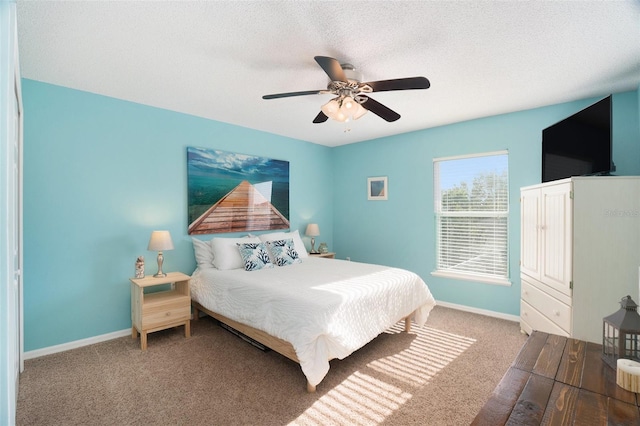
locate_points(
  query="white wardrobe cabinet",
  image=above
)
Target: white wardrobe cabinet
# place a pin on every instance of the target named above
(579, 254)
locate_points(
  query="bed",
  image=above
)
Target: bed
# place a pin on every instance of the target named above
(311, 310)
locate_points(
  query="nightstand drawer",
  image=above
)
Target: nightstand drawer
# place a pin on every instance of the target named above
(160, 309)
(555, 311)
(162, 318)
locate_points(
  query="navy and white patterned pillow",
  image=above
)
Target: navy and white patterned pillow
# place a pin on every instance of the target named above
(284, 252)
(255, 256)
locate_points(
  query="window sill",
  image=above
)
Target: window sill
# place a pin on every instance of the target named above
(475, 278)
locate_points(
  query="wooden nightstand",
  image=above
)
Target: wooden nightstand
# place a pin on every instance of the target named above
(329, 255)
(160, 310)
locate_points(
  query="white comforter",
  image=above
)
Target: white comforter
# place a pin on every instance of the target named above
(325, 308)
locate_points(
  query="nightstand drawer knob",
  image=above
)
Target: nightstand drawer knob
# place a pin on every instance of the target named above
(167, 314)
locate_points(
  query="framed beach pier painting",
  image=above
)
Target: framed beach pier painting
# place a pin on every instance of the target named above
(231, 192)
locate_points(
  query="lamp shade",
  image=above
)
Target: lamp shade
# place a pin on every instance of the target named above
(312, 230)
(359, 111)
(330, 108)
(160, 240)
(348, 105)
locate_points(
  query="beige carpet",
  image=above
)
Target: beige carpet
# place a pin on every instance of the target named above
(441, 374)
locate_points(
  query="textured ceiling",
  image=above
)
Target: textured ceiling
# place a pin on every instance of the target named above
(215, 59)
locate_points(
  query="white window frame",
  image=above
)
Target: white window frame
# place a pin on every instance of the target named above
(475, 276)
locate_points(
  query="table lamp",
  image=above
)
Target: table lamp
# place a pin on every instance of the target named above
(160, 241)
(313, 231)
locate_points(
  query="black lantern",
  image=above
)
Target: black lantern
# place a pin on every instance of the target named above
(621, 334)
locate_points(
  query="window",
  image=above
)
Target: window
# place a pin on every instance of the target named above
(471, 208)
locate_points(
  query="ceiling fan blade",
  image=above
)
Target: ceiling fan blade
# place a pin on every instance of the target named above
(409, 83)
(286, 95)
(320, 118)
(332, 67)
(377, 108)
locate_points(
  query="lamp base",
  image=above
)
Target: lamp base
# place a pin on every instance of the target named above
(160, 274)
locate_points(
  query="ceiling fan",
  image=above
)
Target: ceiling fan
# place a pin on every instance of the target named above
(351, 101)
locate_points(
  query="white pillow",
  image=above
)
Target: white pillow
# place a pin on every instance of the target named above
(226, 254)
(203, 252)
(295, 235)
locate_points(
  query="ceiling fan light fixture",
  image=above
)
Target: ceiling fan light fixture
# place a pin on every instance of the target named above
(352, 109)
(343, 108)
(335, 110)
(347, 105)
(331, 108)
(359, 111)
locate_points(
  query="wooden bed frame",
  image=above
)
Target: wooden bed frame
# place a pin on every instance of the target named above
(281, 346)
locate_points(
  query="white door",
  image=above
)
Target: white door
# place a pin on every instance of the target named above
(557, 236)
(15, 203)
(14, 235)
(530, 233)
(10, 214)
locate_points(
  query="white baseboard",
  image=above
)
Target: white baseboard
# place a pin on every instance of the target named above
(127, 332)
(500, 315)
(76, 344)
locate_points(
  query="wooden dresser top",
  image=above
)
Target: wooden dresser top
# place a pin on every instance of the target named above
(559, 380)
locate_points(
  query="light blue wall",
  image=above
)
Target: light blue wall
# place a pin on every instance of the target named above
(100, 174)
(401, 231)
(626, 130)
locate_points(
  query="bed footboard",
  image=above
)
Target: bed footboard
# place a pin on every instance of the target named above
(283, 347)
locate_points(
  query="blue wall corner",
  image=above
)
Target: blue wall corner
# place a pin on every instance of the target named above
(100, 174)
(401, 231)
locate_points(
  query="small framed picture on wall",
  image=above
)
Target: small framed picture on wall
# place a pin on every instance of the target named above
(377, 188)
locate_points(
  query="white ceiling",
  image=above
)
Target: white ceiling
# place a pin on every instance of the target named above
(215, 59)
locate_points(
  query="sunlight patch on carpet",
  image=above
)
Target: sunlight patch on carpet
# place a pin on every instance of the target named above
(430, 352)
(363, 399)
(359, 400)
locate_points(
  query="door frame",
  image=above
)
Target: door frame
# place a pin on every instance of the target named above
(19, 195)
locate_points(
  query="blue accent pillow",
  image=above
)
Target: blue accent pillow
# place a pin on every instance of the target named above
(284, 252)
(255, 256)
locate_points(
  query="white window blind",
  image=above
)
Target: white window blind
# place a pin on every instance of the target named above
(472, 208)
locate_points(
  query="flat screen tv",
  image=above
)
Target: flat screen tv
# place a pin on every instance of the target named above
(579, 145)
